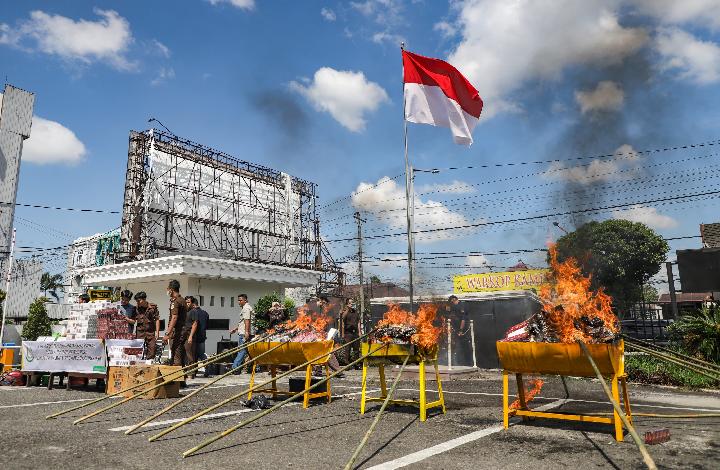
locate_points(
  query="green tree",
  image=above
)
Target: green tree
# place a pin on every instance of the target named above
(699, 333)
(51, 283)
(264, 303)
(620, 256)
(375, 280)
(38, 323)
(2, 301)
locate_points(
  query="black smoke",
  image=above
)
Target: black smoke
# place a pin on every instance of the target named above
(282, 110)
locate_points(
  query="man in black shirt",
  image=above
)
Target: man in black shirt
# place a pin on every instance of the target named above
(194, 330)
(459, 335)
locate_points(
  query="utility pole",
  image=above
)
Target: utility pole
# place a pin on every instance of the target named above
(360, 221)
(7, 287)
(671, 284)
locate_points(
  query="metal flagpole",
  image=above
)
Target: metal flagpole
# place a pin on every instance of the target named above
(408, 199)
(7, 287)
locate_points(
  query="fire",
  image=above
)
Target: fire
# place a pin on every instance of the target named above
(305, 321)
(570, 303)
(425, 333)
(537, 385)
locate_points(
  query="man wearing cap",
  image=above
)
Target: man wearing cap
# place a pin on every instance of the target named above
(146, 319)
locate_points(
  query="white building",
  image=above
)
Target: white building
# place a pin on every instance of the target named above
(215, 282)
(219, 225)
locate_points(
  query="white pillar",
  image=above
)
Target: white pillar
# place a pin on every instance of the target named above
(449, 342)
(472, 341)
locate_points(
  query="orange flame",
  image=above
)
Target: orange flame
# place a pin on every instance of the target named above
(426, 335)
(307, 320)
(569, 289)
(537, 385)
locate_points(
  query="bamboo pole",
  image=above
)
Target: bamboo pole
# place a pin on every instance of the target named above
(690, 359)
(645, 454)
(253, 388)
(204, 386)
(680, 362)
(389, 396)
(229, 431)
(174, 375)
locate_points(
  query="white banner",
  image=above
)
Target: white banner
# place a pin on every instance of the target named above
(86, 356)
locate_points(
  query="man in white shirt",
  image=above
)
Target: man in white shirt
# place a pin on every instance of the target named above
(245, 329)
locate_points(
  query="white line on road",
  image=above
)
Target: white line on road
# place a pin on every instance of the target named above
(23, 405)
(451, 444)
(173, 421)
(220, 415)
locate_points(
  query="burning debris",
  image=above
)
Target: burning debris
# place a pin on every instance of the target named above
(401, 327)
(571, 310)
(306, 328)
(537, 385)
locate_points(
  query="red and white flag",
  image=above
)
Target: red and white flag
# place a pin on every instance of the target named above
(437, 94)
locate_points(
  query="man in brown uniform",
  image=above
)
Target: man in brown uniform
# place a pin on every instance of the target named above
(146, 319)
(173, 333)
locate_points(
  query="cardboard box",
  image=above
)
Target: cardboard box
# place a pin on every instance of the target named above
(120, 378)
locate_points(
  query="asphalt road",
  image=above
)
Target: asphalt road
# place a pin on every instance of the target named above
(325, 435)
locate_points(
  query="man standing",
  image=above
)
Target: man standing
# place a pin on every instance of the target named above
(458, 321)
(173, 333)
(146, 319)
(244, 328)
(350, 326)
(126, 308)
(188, 330)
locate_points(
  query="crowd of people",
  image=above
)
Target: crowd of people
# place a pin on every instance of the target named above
(186, 331)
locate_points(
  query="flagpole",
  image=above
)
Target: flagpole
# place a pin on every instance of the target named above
(409, 199)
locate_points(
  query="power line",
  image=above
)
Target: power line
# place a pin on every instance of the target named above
(559, 160)
(38, 206)
(580, 211)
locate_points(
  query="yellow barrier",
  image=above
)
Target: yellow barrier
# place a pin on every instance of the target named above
(395, 354)
(568, 360)
(291, 354)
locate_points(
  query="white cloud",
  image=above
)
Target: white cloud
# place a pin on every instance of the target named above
(624, 165)
(446, 29)
(51, 142)
(328, 14)
(455, 187)
(242, 4)
(695, 60)
(505, 44)
(366, 8)
(164, 74)
(161, 48)
(84, 41)
(703, 12)
(383, 36)
(477, 261)
(388, 195)
(646, 215)
(607, 96)
(348, 96)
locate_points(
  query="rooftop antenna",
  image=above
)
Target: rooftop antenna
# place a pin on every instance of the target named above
(152, 119)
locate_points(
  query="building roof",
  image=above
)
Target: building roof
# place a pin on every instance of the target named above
(376, 289)
(197, 266)
(685, 297)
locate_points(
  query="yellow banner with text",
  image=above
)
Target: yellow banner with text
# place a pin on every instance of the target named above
(509, 280)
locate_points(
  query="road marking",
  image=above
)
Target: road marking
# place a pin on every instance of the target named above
(451, 444)
(178, 420)
(23, 405)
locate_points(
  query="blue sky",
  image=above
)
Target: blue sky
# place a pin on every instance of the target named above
(314, 89)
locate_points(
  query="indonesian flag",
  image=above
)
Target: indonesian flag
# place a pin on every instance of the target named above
(437, 94)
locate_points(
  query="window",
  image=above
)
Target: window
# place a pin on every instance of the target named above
(218, 324)
(212, 300)
(232, 301)
(222, 301)
(202, 300)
